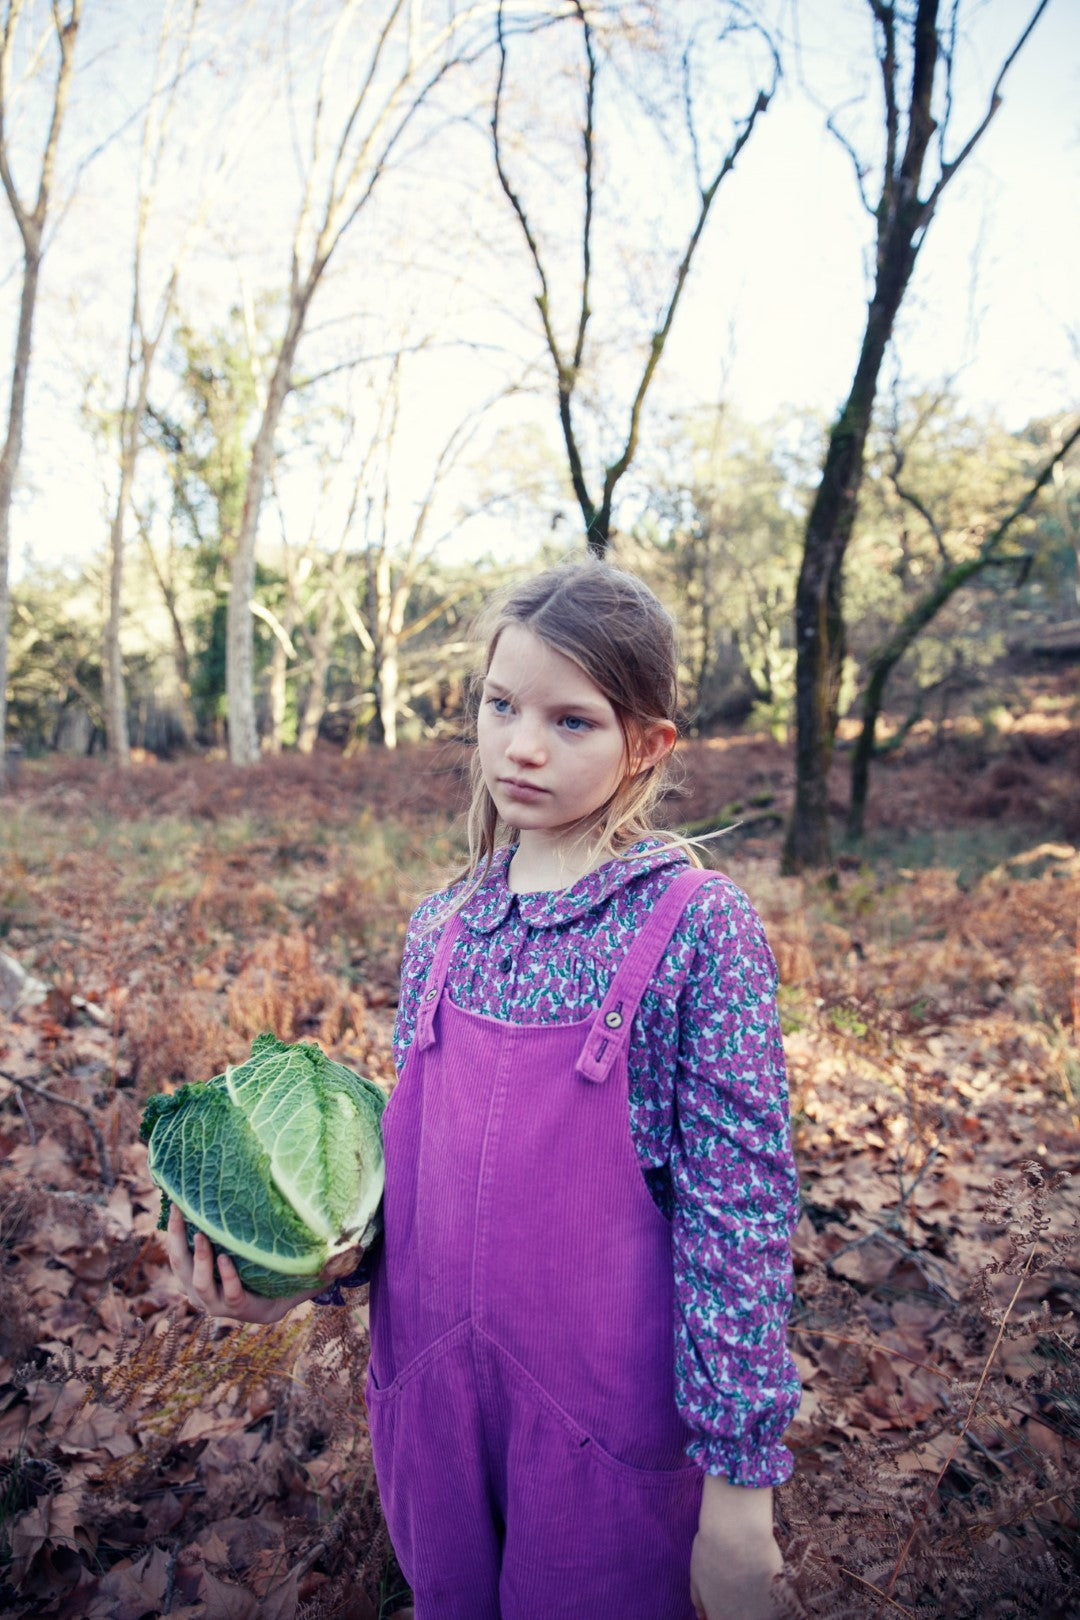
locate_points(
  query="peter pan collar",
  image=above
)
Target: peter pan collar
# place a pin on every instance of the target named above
(489, 907)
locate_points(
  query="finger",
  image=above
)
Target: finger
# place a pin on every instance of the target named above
(176, 1245)
(231, 1286)
(202, 1270)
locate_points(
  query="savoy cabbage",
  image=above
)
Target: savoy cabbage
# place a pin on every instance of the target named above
(279, 1161)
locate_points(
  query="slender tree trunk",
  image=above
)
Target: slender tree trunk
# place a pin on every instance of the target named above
(278, 666)
(240, 643)
(31, 224)
(866, 745)
(321, 644)
(387, 692)
(116, 726)
(9, 466)
(279, 679)
(181, 656)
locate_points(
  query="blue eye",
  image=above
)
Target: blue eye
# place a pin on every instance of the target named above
(500, 705)
(574, 722)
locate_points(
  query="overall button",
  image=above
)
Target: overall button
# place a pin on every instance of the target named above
(613, 1020)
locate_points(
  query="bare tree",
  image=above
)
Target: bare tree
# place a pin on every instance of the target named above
(329, 592)
(911, 43)
(60, 33)
(568, 356)
(393, 572)
(954, 573)
(174, 47)
(164, 573)
(404, 63)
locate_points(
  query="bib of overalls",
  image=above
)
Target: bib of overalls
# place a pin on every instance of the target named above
(530, 1457)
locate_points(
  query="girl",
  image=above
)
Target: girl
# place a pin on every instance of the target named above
(579, 1374)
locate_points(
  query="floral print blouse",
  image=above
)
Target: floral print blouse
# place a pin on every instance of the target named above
(708, 1110)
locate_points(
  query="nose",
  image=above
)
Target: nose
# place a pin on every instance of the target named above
(526, 742)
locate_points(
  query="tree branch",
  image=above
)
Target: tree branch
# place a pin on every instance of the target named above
(913, 500)
(264, 613)
(861, 170)
(949, 169)
(566, 376)
(615, 471)
(80, 1108)
(587, 153)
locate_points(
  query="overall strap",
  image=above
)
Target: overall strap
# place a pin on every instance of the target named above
(424, 1033)
(609, 1033)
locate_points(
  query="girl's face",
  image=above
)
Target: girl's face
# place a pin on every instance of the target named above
(551, 747)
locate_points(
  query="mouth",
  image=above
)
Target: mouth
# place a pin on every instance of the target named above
(514, 788)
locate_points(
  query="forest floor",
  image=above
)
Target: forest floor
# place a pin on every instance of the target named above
(153, 1463)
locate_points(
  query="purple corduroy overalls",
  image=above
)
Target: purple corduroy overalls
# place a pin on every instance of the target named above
(529, 1454)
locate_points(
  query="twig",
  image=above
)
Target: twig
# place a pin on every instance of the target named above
(322, 1546)
(31, 1130)
(874, 1344)
(80, 1108)
(883, 1231)
(883, 1595)
(170, 1576)
(924, 1510)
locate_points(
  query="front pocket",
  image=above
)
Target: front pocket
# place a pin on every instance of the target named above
(383, 1392)
(584, 1444)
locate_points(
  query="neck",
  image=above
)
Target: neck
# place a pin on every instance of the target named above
(541, 864)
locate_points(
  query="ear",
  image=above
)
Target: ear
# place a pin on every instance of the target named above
(654, 744)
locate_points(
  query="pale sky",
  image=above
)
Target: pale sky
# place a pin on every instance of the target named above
(774, 310)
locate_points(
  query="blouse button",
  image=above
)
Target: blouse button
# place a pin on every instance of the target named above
(506, 964)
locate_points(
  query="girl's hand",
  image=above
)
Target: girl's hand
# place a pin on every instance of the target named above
(195, 1272)
(735, 1557)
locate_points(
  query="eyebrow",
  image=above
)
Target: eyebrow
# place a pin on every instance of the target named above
(586, 706)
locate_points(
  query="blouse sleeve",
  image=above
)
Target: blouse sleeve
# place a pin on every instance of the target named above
(735, 1200)
(420, 939)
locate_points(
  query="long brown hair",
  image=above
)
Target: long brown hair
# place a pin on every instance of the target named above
(610, 624)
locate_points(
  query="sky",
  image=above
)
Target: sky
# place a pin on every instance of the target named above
(774, 309)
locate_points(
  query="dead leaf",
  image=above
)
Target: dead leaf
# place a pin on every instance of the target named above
(280, 1601)
(226, 1601)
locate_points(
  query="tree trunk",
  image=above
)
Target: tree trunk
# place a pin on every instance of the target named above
(31, 223)
(9, 467)
(240, 643)
(387, 693)
(116, 726)
(866, 746)
(279, 672)
(181, 656)
(321, 644)
(819, 612)
(902, 218)
(279, 664)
